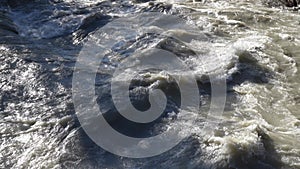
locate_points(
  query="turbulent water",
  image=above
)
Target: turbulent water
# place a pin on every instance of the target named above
(255, 47)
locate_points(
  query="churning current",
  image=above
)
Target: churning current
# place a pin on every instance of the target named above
(253, 46)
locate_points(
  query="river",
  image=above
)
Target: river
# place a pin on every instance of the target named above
(254, 47)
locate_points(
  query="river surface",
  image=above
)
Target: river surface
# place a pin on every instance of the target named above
(256, 48)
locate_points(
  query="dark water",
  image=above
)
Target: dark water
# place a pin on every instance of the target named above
(253, 46)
